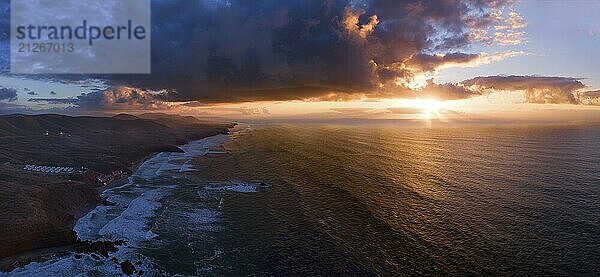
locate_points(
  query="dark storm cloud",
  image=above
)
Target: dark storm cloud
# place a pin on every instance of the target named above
(555, 90)
(8, 94)
(238, 50)
(220, 51)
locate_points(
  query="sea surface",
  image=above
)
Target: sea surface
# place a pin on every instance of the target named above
(357, 200)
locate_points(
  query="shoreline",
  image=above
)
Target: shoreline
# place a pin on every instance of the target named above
(11, 263)
(79, 213)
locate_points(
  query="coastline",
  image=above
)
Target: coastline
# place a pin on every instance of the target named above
(22, 259)
(79, 213)
(10, 263)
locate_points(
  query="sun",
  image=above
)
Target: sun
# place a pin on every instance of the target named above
(430, 108)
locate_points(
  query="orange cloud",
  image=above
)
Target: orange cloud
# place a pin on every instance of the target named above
(351, 23)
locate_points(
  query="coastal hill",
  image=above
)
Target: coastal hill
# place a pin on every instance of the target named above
(38, 209)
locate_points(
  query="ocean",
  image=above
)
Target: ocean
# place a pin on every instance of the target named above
(357, 200)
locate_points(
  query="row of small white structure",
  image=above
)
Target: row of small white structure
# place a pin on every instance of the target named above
(50, 169)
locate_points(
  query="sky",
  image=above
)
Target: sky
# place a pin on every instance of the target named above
(341, 58)
(563, 38)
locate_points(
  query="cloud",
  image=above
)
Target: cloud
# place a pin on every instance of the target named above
(447, 91)
(254, 111)
(246, 110)
(431, 63)
(11, 108)
(405, 110)
(194, 104)
(514, 22)
(351, 23)
(112, 98)
(536, 89)
(593, 32)
(123, 98)
(510, 38)
(8, 94)
(240, 51)
(58, 101)
(510, 32)
(589, 97)
(236, 51)
(353, 111)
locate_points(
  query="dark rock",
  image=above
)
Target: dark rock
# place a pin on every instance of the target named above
(140, 273)
(105, 202)
(78, 256)
(127, 267)
(100, 247)
(115, 260)
(71, 236)
(138, 263)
